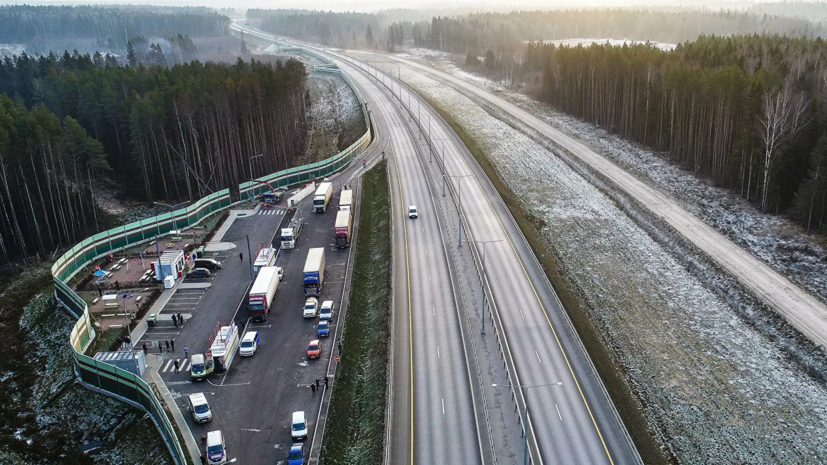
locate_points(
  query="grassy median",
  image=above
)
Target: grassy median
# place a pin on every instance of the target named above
(356, 421)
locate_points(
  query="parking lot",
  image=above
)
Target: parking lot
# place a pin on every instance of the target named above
(252, 401)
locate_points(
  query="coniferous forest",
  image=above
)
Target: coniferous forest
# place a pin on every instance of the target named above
(76, 123)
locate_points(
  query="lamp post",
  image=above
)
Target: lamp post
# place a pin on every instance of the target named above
(484, 279)
(174, 221)
(251, 174)
(442, 150)
(525, 418)
(459, 194)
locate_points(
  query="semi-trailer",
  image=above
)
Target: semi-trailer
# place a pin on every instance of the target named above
(262, 293)
(266, 257)
(292, 231)
(322, 197)
(342, 229)
(314, 272)
(346, 200)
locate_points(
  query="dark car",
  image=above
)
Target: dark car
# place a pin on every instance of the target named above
(296, 454)
(207, 263)
(323, 330)
(199, 273)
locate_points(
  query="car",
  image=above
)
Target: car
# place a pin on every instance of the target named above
(413, 212)
(199, 273)
(298, 427)
(216, 450)
(314, 349)
(311, 307)
(280, 272)
(199, 408)
(326, 311)
(296, 454)
(249, 344)
(323, 330)
(207, 263)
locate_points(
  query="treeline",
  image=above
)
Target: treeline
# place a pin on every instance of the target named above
(157, 133)
(326, 27)
(747, 112)
(37, 26)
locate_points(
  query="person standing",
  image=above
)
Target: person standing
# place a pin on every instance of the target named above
(175, 363)
(325, 381)
(167, 344)
(180, 320)
(100, 292)
(117, 286)
(186, 352)
(317, 383)
(175, 320)
(172, 343)
(160, 348)
(313, 388)
(241, 256)
(144, 346)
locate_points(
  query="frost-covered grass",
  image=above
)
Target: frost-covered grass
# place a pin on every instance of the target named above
(335, 115)
(356, 423)
(715, 387)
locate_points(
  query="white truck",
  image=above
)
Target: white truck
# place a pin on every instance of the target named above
(266, 257)
(223, 347)
(322, 197)
(292, 231)
(262, 293)
(346, 200)
(314, 272)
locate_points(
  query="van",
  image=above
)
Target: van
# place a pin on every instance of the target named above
(299, 426)
(198, 367)
(249, 344)
(207, 263)
(199, 408)
(216, 450)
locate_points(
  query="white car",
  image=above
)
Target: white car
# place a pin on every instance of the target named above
(249, 344)
(280, 272)
(311, 307)
(326, 312)
(413, 212)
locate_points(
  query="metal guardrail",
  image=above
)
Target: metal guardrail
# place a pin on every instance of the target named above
(121, 384)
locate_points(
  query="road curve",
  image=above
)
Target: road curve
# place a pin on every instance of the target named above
(801, 309)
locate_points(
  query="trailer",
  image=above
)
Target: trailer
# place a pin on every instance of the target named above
(262, 293)
(322, 197)
(223, 347)
(314, 272)
(292, 231)
(346, 200)
(342, 229)
(266, 257)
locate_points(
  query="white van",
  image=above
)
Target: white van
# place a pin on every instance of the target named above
(216, 450)
(299, 426)
(249, 344)
(199, 408)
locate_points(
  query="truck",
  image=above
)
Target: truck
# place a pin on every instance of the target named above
(292, 231)
(342, 229)
(266, 257)
(346, 200)
(314, 272)
(223, 344)
(262, 293)
(322, 197)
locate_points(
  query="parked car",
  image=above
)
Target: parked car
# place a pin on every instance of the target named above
(314, 350)
(249, 344)
(280, 272)
(208, 263)
(413, 212)
(296, 454)
(323, 330)
(200, 410)
(311, 307)
(298, 427)
(326, 311)
(199, 273)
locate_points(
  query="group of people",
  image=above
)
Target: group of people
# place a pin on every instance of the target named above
(169, 344)
(314, 387)
(178, 320)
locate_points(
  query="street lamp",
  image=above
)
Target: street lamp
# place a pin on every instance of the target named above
(459, 209)
(484, 279)
(251, 174)
(525, 419)
(174, 221)
(442, 150)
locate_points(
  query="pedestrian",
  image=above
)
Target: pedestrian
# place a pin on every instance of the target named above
(241, 256)
(144, 348)
(175, 320)
(203, 460)
(339, 344)
(100, 292)
(186, 352)
(118, 286)
(176, 365)
(180, 320)
(167, 344)
(317, 383)
(160, 348)
(325, 381)
(313, 388)
(172, 343)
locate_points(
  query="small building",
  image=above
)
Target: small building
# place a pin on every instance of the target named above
(131, 361)
(170, 263)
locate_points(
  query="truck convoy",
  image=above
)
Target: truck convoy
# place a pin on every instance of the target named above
(292, 231)
(266, 257)
(322, 197)
(346, 200)
(262, 292)
(314, 272)
(342, 229)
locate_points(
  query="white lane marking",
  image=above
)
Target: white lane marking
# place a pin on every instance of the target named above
(426, 252)
(538, 357)
(184, 365)
(521, 313)
(509, 281)
(437, 352)
(558, 412)
(433, 309)
(429, 277)
(167, 366)
(251, 429)
(443, 406)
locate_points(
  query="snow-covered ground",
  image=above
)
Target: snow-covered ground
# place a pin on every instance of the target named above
(335, 116)
(613, 42)
(714, 386)
(11, 49)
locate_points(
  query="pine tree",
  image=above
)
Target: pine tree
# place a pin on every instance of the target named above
(243, 44)
(369, 36)
(131, 59)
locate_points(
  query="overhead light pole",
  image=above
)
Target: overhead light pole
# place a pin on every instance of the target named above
(459, 209)
(252, 180)
(174, 221)
(525, 418)
(484, 279)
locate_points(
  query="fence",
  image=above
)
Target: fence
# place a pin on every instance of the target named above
(121, 384)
